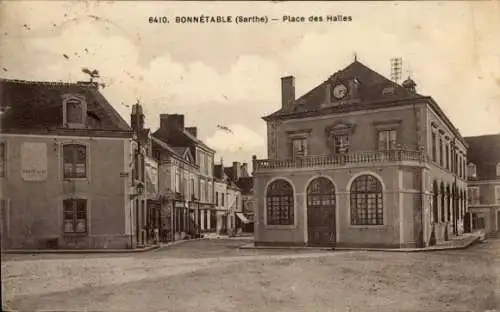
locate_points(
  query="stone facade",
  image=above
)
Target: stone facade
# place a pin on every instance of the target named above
(484, 182)
(358, 124)
(66, 168)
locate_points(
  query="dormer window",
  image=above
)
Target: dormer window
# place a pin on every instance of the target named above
(74, 110)
(471, 170)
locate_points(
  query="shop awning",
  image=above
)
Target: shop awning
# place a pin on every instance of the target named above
(242, 217)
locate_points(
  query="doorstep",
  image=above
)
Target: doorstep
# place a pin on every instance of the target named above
(80, 251)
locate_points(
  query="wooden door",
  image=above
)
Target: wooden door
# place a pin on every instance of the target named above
(321, 213)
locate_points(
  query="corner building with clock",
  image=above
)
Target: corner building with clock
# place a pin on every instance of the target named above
(360, 161)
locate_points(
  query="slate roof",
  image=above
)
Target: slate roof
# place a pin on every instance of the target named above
(370, 96)
(484, 152)
(177, 152)
(177, 137)
(245, 184)
(36, 107)
(218, 173)
(371, 84)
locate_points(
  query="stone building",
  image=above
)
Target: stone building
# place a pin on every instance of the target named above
(484, 182)
(186, 182)
(359, 160)
(66, 161)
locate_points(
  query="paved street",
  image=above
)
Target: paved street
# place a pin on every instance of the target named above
(213, 275)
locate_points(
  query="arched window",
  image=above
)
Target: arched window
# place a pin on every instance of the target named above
(435, 191)
(280, 203)
(471, 170)
(367, 207)
(75, 161)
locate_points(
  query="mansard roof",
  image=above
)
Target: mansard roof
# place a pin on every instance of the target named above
(37, 107)
(371, 94)
(371, 86)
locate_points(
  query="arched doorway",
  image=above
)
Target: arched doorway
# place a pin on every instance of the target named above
(321, 213)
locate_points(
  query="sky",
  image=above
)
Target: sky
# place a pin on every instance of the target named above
(229, 74)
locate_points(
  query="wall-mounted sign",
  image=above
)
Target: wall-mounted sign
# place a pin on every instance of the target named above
(34, 161)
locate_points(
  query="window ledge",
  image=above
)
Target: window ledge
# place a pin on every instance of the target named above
(368, 227)
(75, 179)
(67, 234)
(280, 227)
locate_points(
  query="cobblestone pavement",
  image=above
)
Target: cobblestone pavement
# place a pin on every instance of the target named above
(214, 275)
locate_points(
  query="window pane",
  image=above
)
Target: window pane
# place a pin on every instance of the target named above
(366, 201)
(68, 226)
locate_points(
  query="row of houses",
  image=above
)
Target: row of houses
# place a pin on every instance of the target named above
(363, 161)
(75, 174)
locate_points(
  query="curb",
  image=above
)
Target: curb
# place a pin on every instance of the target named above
(80, 251)
(161, 246)
(464, 246)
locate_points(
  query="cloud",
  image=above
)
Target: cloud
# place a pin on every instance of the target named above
(240, 139)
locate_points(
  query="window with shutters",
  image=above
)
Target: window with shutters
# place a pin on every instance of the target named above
(433, 142)
(75, 161)
(473, 195)
(75, 215)
(497, 194)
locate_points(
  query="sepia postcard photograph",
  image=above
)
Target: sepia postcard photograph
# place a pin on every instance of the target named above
(226, 156)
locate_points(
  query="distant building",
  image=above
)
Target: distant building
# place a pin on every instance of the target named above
(186, 181)
(66, 158)
(484, 182)
(359, 160)
(245, 184)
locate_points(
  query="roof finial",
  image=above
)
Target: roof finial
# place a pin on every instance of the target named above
(355, 57)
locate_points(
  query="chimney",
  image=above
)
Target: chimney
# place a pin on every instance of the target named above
(287, 93)
(193, 131)
(169, 121)
(244, 170)
(236, 171)
(221, 168)
(328, 94)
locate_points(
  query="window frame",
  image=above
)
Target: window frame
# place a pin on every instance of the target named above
(388, 142)
(80, 98)
(287, 196)
(434, 146)
(3, 159)
(472, 170)
(355, 199)
(497, 170)
(470, 198)
(497, 195)
(74, 206)
(74, 164)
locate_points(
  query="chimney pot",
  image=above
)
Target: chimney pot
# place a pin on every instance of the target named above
(169, 121)
(236, 171)
(193, 131)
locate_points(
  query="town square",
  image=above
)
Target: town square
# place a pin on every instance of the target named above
(240, 156)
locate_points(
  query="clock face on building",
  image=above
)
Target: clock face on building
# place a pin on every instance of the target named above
(339, 91)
